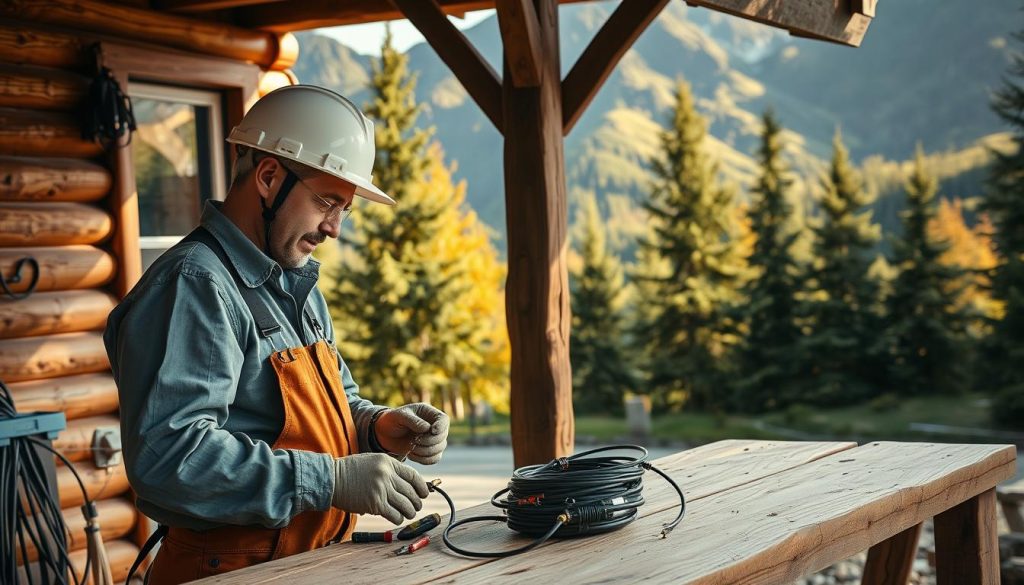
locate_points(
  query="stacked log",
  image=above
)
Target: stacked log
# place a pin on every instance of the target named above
(55, 190)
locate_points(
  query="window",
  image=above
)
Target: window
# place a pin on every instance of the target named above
(178, 157)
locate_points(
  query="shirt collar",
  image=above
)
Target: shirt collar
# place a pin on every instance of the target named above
(251, 264)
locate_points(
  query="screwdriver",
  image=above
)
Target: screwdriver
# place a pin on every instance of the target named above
(419, 527)
(388, 536)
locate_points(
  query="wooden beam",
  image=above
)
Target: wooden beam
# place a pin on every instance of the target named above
(201, 36)
(520, 35)
(290, 16)
(865, 7)
(602, 54)
(537, 288)
(204, 5)
(826, 20)
(475, 74)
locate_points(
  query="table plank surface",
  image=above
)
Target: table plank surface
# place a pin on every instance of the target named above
(757, 512)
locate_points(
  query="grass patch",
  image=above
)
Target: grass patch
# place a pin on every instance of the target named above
(887, 418)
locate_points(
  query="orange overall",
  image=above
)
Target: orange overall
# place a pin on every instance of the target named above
(317, 418)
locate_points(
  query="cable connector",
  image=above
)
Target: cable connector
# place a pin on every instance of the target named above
(433, 484)
(666, 531)
(533, 500)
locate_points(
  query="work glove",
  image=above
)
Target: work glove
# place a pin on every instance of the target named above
(373, 483)
(418, 431)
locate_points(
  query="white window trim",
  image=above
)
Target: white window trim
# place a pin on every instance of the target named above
(193, 97)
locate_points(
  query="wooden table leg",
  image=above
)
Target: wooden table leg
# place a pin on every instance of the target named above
(890, 561)
(966, 543)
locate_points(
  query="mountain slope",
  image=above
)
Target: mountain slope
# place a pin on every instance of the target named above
(923, 74)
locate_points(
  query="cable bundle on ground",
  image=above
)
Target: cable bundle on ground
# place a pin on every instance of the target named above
(30, 515)
(572, 496)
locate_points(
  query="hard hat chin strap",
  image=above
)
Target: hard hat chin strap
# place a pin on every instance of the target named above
(269, 213)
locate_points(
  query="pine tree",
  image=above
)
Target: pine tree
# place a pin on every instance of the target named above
(691, 218)
(1004, 202)
(767, 355)
(841, 365)
(392, 297)
(601, 371)
(924, 333)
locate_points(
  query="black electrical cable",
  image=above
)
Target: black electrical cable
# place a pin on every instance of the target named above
(29, 515)
(572, 496)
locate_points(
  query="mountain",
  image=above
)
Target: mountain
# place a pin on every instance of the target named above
(922, 75)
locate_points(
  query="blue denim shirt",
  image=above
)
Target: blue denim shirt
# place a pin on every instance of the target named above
(200, 404)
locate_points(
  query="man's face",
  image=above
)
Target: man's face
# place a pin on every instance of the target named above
(310, 214)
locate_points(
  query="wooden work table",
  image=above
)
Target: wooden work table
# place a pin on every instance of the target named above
(757, 512)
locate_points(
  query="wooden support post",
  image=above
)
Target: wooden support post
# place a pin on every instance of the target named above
(890, 561)
(520, 35)
(537, 291)
(966, 543)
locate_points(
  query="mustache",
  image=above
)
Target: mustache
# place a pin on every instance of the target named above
(315, 237)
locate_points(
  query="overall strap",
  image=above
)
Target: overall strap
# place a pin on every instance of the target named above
(265, 322)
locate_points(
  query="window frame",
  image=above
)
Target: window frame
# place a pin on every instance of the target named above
(236, 81)
(206, 98)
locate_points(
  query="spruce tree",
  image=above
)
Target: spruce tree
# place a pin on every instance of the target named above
(691, 218)
(924, 333)
(1004, 203)
(601, 371)
(389, 303)
(841, 363)
(768, 354)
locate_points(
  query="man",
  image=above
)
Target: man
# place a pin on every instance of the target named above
(243, 431)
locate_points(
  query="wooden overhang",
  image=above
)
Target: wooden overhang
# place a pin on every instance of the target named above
(529, 103)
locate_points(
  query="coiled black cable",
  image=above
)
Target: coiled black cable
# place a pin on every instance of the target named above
(28, 512)
(572, 496)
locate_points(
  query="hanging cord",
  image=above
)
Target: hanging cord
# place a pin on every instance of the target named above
(16, 278)
(107, 115)
(572, 496)
(29, 514)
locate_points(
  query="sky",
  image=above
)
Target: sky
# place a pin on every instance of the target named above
(367, 38)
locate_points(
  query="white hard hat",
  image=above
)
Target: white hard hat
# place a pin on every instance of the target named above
(318, 128)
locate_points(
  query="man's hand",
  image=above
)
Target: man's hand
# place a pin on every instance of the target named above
(419, 430)
(373, 483)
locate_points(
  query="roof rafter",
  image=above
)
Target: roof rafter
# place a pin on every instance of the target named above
(203, 5)
(289, 16)
(603, 53)
(839, 21)
(472, 70)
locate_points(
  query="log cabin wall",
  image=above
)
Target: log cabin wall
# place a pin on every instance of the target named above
(73, 207)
